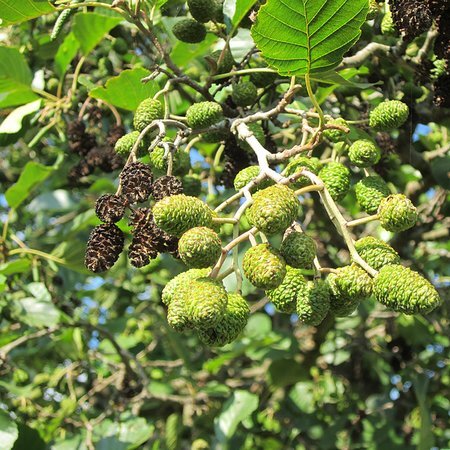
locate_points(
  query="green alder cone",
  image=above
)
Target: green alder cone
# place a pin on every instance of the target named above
(159, 163)
(204, 115)
(369, 193)
(207, 302)
(178, 213)
(244, 93)
(248, 174)
(263, 79)
(264, 267)
(348, 286)
(147, 111)
(387, 24)
(259, 134)
(397, 213)
(177, 316)
(389, 115)
(202, 10)
(336, 178)
(200, 247)
(230, 326)
(179, 281)
(364, 153)
(302, 162)
(313, 302)
(404, 290)
(376, 253)
(189, 31)
(218, 135)
(273, 209)
(284, 297)
(335, 135)
(227, 63)
(125, 144)
(299, 250)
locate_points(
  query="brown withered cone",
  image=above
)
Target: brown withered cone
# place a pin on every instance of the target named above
(136, 179)
(143, 246)
(104, 247)
(166, 186)
(110, 208)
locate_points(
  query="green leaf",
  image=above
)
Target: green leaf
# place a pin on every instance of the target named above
(13, 122)
(90, 28)
(16, 266)
(237, 9)
(38, 313)
(8, 431)
(33, 174)
(298, 37)
(126, 91)
(29, 438)
(13, 11)
(15, 79)
(240, 406)
(66, 52)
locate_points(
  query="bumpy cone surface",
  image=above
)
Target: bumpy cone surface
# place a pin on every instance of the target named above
(202, 10)
(166, 186)
(298, 249)
(263, 79)
(244, 93)
(136, 180)
(335, 135)
(227, 62)
(159, 161)
(369, 193)
(200, 247)
(302, 162)
(110, 208)
(364, 153)
(404, 290)
(273, 209)
(336, 178)
(147, 111)
(103, 248)
(264, 267)
(230, 326)
(313, 302)
(207, 302)
(284, 297)
(397, 213)
(189, 31)
(178, 213)
(376, 253)
(204, 115)
(411, 17)
(180, 280)
(248, 174)
(125, 144)
(388, 115)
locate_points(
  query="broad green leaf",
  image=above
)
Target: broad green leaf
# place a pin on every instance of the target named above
(126, 91)
(237, 9)
(39, 292)
(90, 28)
(298, 37)
(29, 438)
(16, 266)
(38, 313)
(13, 11)
(240, 406)
(182, 54)
(2, 283)
(8, 431)
(66, 52)
(33, 174)
(15, 79)
(13, 122)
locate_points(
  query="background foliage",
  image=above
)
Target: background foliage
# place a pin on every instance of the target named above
(90, 362)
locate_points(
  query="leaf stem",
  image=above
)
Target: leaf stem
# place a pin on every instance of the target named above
(314, 101)
(33, 251)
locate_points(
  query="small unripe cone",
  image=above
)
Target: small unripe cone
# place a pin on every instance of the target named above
(178, 213)
(227, 62)
(259, 134)
(202, 10)
(180, 280)
(376, 253)
(302, 162)
(248, 174)
(177, 316)
(159, 162)
(336, 178)
(110, 208)
(284, 297)
(207, 302)
(387, 23)
(397, 213)
(335, 135)
(264, 267)
(244, 93)
(189, 31)
(263, 79)
(388, 115)
(200, 247)
(364, 153)
(230, 326)
(299, 250)
(125, 144)
(273, 209)
(404, 290)
(204, 115)
(369, 193)
(147, 111)
(313, 302)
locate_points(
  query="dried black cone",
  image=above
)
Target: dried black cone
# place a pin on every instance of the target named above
(136, 180)
(110, 208)
(143, 245)
(442, 92)
(79, 141)
(166, 186)
(104, 247)
(411, 17)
